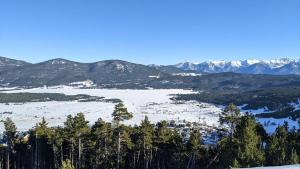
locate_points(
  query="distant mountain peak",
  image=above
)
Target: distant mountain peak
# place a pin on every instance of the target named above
(251, 66)
(59, 61)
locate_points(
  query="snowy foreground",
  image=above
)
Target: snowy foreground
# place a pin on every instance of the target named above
(280, 167)
(155, 103)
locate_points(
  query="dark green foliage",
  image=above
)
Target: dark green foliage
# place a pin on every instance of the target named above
(275, 98)
(43, 97)
(10, 136)
(243, 145)
(230, 117)
(288, 112)
(277, 147)
(67, 165)
(102, 145)
(121, 114)
(250, 143)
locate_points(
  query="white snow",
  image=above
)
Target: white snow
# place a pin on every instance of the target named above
(296, 105)
(120, 67)
(187, 74)
(277, 63)
(270, 124)
(251, 61)
(58, 61)
(154, 76)
(86, 83)
(218, 63)
(236, 63)
(8, 88)
(155, 103)
(297, 166)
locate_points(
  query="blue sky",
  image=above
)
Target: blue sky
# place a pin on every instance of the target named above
(149, 31)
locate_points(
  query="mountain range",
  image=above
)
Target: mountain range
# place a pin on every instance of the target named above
(282, 66)
(236, 76)
(273, 84)
(62, 71)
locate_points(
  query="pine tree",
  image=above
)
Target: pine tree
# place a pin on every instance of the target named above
(42, 129)
(277, 147)
(120, 114)
(43, 135)
(75, 128)
(167, 146)
(101, 133)
(147, 130)
(57, 142)
(231, 117)
(235, 164)
(194, 147)
(294, 159)
(228, 145)
(81, 129)
(250, 152)
(10, 136)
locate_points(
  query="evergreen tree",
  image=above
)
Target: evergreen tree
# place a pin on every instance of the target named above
(231, 117)
(101, 133)
(277, 147)
(194, 146)
(57, 142)
(120, 114)
(167, 147)
(81, 129)
(147, 130)
(228, 145)
(10, 137)
(75, 129)
(294, 159)
(250, 152)
(43, 134)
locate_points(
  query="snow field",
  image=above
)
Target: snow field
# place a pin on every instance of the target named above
(155, 103)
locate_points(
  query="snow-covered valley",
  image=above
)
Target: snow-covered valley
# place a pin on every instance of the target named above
(156, 104)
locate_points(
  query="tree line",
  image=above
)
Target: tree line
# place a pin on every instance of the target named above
(242, 142)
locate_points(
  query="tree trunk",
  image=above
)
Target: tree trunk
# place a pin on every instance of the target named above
(79, 153)
(61, 154)
(119, 150)
(144, 153)
(36, 153)
(212, 161)
(7, 158)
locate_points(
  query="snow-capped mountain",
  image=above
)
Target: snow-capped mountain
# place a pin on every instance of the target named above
(282, 66)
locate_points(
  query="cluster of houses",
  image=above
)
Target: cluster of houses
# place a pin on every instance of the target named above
(83, 84)
(209, 134)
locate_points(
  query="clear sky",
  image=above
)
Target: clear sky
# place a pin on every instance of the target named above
(149, 31)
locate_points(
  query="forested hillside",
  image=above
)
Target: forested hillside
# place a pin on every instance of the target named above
(241, 143)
